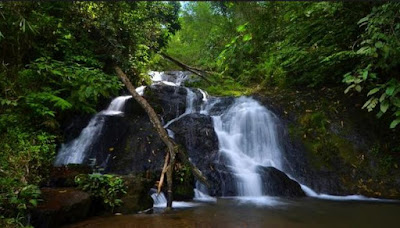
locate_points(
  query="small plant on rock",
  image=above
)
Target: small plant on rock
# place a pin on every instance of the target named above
(107, 187)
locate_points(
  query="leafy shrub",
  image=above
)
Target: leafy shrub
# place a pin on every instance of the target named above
(15, 203)
(25, 160)
(107, 187)
(380, 57)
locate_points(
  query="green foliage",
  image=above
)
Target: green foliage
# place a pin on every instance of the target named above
(225, 86)
(67, 85)
(380, 57)
(108, 188)
(25, 161)
(297, 45)
(57, 61)
(201, 36)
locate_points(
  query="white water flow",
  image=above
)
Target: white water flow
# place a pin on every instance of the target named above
(160, 201)
(247, 137)
(190, 99)
(75, 151)
(201, 193)
(176, 79)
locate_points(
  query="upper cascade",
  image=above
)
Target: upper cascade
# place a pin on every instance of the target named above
(171, 78)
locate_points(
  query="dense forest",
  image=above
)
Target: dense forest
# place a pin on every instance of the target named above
(58, 59)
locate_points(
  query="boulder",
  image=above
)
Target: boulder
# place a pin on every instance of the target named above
(196, 133)
(136, 197)
(127, 144)
(61, 206)
(277, 183)
(168, 101)
(222, 180)
(64, 176)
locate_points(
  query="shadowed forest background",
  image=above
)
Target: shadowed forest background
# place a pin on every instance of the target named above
(323, 62)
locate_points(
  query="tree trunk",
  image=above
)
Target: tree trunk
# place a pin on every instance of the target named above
(194, 70)
(171, 145)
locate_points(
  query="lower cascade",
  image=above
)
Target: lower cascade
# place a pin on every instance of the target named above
(247, 137)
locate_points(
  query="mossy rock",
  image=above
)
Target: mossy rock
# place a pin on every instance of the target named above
(183, 183)
(137, 196)
(64, 176)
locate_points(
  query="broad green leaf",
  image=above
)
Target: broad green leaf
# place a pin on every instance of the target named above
(396, 101)
(382, 97)
(33, 202)
(358, 88)
(362, 20)
(384, 106)
(241, 28)
(394, 123)
(373, 91)
(247, 37)
(390, 90)
(365, 75)
(367, 103)
(348, 88)
(379, 44)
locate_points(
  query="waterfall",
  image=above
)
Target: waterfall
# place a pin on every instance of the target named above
(247, 137)
(75, 151)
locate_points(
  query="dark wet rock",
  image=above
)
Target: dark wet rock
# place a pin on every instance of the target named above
(220, 104)
(128, 144)
(169, 101)
(222, 180)
(64, 176)
(132, 108)
(136, 197)
(74, 125)
(277, 183)
(61, 206)
(196, 133)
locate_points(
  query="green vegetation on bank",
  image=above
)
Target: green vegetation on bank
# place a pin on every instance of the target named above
(57, 61)
(297, 45)
(108, 188)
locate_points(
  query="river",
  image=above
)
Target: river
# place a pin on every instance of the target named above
(274, 212)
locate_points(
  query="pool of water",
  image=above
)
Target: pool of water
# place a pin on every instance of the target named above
(261, 212)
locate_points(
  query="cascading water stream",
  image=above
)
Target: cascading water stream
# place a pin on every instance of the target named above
(246, 135)
(246, 132)
(75, 151)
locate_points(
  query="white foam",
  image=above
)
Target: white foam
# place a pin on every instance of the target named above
(160, 201)
(140, 90)
(311, 193)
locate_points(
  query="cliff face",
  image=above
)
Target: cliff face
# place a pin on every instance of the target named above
(337, 147)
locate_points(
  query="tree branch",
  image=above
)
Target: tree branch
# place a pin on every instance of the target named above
(172, 147)
(194, 70)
